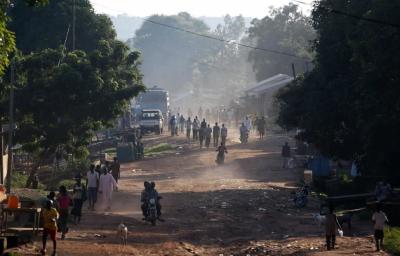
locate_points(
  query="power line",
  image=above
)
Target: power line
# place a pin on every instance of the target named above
(225, 40)
(216, 38)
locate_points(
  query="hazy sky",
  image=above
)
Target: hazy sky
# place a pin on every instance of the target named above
(248, 8)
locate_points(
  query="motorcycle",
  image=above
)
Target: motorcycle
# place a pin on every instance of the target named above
(301, 197)
(244, 137)
(221, 155)
(152, 215)
(220, 159)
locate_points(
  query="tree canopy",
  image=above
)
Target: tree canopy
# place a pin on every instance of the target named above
(349, 104)
(47, 26)
(169, 54)
(7, 37)
(62, 96)
(287, 30)
(62, 104)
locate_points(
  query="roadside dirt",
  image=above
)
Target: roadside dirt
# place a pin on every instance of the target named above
(241, 208)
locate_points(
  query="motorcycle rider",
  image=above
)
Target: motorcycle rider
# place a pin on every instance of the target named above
(243, 133)
(221, 153)
(144, 198)
(247, 123)
(153, 193)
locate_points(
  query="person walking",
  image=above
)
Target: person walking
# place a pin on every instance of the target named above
(106, 186)
(188, 127)
(116, 169)
(261, 127)
(182, 123)
(202, 132)
(50, 217)
(78, 197)
(64, 202)
(216, 132)
(208, 133)
(92, 181)
(379, 220)
(196, 127)
(224, 134)
(285, 155)
(331, 226)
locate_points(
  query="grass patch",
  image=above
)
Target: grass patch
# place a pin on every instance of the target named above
(68, 183)
(159, 148)
(392, 240)
(18, 180)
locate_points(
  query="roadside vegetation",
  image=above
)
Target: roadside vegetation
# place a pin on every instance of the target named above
(392, 240)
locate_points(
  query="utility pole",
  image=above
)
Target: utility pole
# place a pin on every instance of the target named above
(10, 130)
(73, 25)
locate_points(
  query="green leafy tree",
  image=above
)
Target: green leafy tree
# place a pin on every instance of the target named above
(224, 70)
(168, 54)
(47, 26)
(61, 105)
(287, 30)
(348, 105)
(7, 37)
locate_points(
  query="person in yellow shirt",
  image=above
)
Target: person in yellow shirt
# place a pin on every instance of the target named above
(50, 217)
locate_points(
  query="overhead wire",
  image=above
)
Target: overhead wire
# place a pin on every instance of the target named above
(215, 38)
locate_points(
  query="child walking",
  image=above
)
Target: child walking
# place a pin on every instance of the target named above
(50, 217)
(379, 219)
(331, 226)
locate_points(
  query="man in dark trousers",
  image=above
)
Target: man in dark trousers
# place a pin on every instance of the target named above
(208, 132)
(216, 132)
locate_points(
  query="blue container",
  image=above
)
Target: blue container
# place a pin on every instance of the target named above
(320, 166)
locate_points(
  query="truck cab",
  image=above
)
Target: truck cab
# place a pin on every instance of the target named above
(151, 120)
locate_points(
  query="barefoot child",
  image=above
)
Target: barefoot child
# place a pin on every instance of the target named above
(50, 216)
(379, 219)
(331, 226)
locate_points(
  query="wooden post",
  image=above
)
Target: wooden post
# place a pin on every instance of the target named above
(10, 131)
(293, 71)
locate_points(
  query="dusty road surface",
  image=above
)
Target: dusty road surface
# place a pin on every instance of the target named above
(241, 208)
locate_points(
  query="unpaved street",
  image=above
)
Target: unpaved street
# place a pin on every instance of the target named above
(242, 208)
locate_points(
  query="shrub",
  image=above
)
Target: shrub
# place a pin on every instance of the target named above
(392, 240)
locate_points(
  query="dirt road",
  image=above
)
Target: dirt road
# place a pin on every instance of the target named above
(241, 208)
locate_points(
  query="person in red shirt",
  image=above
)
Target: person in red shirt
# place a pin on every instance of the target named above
(64, 202)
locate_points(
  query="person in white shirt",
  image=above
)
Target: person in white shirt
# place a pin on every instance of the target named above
(247, 123)
(92, 181)
(379, 219)
(107, 185)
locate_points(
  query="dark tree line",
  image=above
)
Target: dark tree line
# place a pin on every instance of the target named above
(349, 105)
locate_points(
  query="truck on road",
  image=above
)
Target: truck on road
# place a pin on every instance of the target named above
(153, 98)
(151, 120)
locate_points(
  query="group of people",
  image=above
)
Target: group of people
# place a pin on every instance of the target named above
(198, 130)
(100, 179)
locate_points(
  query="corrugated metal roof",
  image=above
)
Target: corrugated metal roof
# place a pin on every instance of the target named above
(273, 82)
